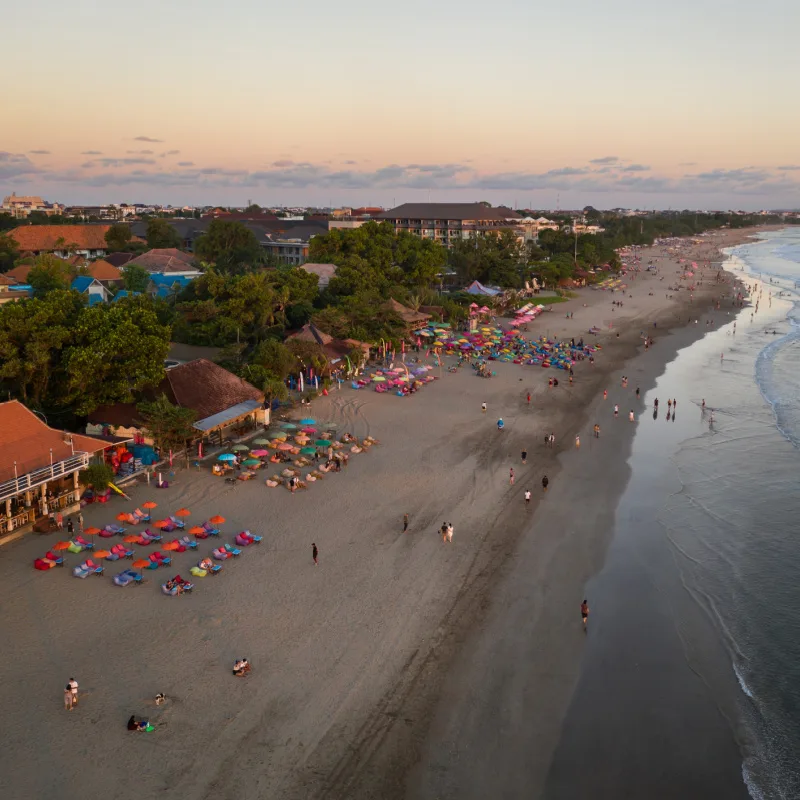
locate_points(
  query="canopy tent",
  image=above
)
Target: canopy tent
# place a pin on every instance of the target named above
(476, 287)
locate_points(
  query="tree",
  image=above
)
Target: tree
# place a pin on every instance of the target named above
(135, 278)
(48, 274)
(118, 236)
(229, 245)
(171, 426)
(116, 351)
(160, 234)
(9, 253)
(274, 357)
(98, 476)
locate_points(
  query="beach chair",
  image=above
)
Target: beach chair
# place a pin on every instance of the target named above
(127, 578)
(106, 533)
(207, 565)
(245, 538)
(81, 542)
(234, 551)
(188, 544)
(221, 554)
(177, 522)
(197, 572)
(87, 568)
(131, 519)
(116, 529)
(159, 559)
(49, 561)
(210, 529)
(149, 537)
(141, 516)
(119, 551)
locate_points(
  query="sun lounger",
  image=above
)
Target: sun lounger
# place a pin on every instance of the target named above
(198, 573)
(87, 568)
(181, 587)
(49, 561)
(127, 578)
(207, 565)
(210, 529)
(119, 551)
(188, 543)
(141, 516)
(131, 519)
(106, 533)
(177, 522)
(221, 554)
(117, 529)
(246, 538)
(159, 559)
(86, 545)
(149, 537)
(234, 551)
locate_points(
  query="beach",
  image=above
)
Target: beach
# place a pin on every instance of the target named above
(400, 665)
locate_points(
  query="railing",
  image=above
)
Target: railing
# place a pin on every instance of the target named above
(8, 524)
(38, 477)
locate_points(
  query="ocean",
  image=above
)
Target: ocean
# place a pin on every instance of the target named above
(690, 679)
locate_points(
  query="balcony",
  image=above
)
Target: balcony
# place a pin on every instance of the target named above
(39, 477)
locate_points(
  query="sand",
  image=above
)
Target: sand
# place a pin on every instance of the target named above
(352, 659)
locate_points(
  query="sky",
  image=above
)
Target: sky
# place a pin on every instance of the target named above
(686, 104)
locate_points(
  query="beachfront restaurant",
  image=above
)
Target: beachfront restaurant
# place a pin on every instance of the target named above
(39, 468)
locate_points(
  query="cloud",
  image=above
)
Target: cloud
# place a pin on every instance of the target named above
(15, 165)
(116, 162)
(605, 160)
(351, 162)
(743, 175)
(688, 164)
(146, 139)
(789, 167)
(284, 162)
(186, 163)
(39, 152)
(169, 153)
(140, 152)
(92, 153)
(634, 168)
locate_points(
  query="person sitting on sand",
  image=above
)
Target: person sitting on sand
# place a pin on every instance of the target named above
(241, 668)
(137, 724)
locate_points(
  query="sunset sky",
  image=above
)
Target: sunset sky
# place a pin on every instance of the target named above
(620, 103)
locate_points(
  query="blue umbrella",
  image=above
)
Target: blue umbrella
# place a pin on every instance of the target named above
(226, 457)
(289, 426)
(308, 421)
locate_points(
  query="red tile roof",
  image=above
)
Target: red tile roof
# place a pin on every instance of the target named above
(44, 237)
(5, 281)
(20, 273)
(165, 260)
(28, 441)
(104, 271)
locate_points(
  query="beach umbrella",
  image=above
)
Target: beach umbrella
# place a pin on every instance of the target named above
(149, 504)
(308, 421)
(161, 523)
(102, 553)
(92, 531)
(308, 451)
(251, 462)
(330, 425)
(61, 545)
(170, 546)
(285, 446)
(182, 512)
(309, 430)
(279, 435)
(130, 538)
(141, 563)
(217, 519)
(240, 447)
(226, 457)
(259, 453)
(288, 426)
(261, 441)
(122, 516)
(323, 443)
(378, 378)
(197, 529)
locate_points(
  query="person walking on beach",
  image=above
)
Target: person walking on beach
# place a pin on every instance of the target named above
(584, 612)
(596, 431)
(529, 398)
(577, 442)
(68, 698)
(314, 553)
(527, 497)
(655, 404)
(674, 403)
(545, 483)
(70, 527)
(669, 404)
(637, 392)
(616, 410)
(605, 394)
(80, 522)
(72, 685)
(405, 522)
(450, 533)
(511, 476)
(59, 520)
(630, 415)
(483, 408)
(524, 456)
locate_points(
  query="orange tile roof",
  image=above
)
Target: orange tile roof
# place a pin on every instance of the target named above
(104, 271)
(28, 441)
(5, 281)
(20, 273)
(44, 237)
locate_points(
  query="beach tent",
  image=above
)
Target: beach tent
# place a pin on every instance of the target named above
(476, 287)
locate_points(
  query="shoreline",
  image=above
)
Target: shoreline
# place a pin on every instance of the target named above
(350, 659)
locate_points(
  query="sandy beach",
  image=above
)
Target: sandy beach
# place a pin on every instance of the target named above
(387, 670)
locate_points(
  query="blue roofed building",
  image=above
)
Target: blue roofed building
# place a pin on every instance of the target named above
(92, 288)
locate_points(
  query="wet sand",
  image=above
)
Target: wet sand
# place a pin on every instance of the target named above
(354, 658)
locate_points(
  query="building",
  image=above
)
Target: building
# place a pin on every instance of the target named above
(336, 351)
(324, 273)
(168, 261)
(63, 241)
(21, 207)
(39, 467)
(106, 273)
(92, 288)
(413, 319)
(224, 403)
(119, 260)
(9, 290)
(448, 223)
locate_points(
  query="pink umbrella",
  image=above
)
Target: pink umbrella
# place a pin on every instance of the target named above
(309, 430)
(259, 453)
(285, 446)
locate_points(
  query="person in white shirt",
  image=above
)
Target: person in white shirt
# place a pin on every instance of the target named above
(73, 687)
(527, 496)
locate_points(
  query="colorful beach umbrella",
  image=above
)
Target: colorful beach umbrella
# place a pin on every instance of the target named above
(285, 446)
(217, 520)
(170, 546)
(308, 421)
(130, 538)
(261, 441)
(323, 443)
(183, 512)
(240, 447)
(309, 430)
(61, 545)
(102, 553)
(279, 435)
(122, 516)
(141, 563)
(289, 426)
(161, 523)
(259, 453)
(92, 531)
(308, 451)
(197, 530)
(149, 504)
(251, 462)
(226, 457)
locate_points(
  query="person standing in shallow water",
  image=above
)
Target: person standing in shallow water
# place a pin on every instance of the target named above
(584, 612)
(314, 553)
(545, 483)
(405, 522)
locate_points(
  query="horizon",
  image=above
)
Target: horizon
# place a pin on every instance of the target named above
(615, 107)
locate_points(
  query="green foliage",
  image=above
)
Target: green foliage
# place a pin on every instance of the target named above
(160, 234)
(135, 278)
(114, 351)
(229, 245)
(171, 426)
(308, 354)
(497, 260)
(118, 236)
(49, 274)
(9, 253)
(98, 476)
(275, 358)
